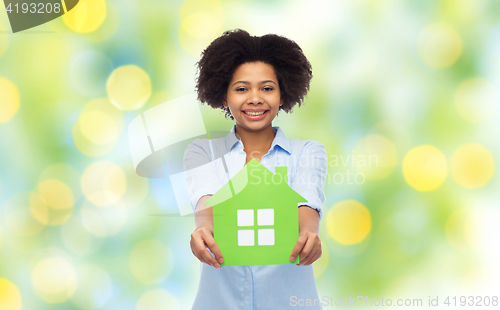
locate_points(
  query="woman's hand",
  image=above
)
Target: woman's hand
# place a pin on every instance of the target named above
(308, 245)
(203, 237)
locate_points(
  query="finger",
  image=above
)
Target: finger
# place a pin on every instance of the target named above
(210, 243)
(306, 250)
(298, 247)
(315, 255)
(214, 248)
(200, 250)
(207, 257)
(196, 247)
(193, 249)
(310, 258)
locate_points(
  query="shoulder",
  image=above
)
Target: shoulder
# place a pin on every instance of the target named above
(304, 147)
(209, 148)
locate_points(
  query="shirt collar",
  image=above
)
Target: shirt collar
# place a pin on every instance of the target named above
(280, 139)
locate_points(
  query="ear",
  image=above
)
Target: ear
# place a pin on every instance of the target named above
(281, 101)
(224, 102)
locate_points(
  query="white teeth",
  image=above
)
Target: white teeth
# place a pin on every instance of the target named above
(255, 113)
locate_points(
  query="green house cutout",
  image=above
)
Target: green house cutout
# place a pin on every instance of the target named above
(256, 219)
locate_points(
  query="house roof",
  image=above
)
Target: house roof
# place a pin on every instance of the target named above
(255, 174)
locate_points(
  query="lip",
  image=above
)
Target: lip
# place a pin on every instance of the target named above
(255, 118)
(254, 110)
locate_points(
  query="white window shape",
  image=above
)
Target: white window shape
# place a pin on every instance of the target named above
(245, 217)
(265, 217)
(266, 236)
(246, 237)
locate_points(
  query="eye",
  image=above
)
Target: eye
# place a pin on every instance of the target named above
(268, 88)
(240, 89)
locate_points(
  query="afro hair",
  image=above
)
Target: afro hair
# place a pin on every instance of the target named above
(234, 48)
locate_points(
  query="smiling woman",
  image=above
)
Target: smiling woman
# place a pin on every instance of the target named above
(223, 57)
(252, 78)
(253, 94)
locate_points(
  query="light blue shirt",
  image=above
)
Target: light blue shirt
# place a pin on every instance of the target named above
(209, 164)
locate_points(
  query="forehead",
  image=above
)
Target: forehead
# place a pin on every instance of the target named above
(254, 71)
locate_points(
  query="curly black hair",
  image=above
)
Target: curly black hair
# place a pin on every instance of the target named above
(236, 47)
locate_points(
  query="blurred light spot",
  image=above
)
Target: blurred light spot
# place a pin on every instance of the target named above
(46, 60)
(194, 25)
(97, 128)
(54, 280)
(129, 87)
(137, 187)
(4, 39)
(88, 148)
(150, 261)
(45, 214)
(52, 203)
(476, 100)
(88, 71)
(461, 229)
(87, 16)
(472, 165)
(109, 27)
(10, 297)
(103, 183)
(21, 222)
(9, 99)
(439, 45)
(18, 218)
(322, 263)
(348, 222)
(66, 174)
(200, 23)
(103, 221)
(94, 288)
(466, 12)
(375, 156)
(395, 132)
(157, 299)
(56, 194)
(78, 239)
(425, 168)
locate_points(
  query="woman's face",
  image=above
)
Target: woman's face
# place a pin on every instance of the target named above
(253, 96)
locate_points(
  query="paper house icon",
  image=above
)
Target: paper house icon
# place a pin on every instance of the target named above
(256, 217)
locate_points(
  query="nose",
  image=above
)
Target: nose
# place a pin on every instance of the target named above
(254, 97)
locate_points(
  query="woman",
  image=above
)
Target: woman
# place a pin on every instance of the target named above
(252, 79)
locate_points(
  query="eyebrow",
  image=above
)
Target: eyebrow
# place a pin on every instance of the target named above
(263, 82)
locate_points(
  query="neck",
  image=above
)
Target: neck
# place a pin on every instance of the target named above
(256, 140)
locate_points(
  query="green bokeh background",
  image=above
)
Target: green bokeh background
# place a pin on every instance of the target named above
(371, 76)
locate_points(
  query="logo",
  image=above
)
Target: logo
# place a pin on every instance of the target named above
(25, 14)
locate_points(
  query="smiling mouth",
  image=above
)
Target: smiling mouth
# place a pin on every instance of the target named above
(255, 113)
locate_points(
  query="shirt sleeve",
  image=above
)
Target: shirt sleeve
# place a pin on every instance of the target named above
(200, 174)
(310, 177)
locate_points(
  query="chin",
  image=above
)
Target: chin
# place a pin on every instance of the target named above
(255, 127)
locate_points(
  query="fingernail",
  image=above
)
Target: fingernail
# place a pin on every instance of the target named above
(221, 260)
(292, 258)
(217, 265)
